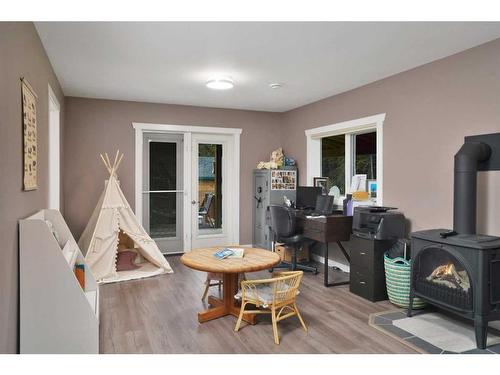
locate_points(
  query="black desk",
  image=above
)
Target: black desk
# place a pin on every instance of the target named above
(332, 228)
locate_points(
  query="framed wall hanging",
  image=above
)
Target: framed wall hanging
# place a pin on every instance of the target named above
(30, 156)
(321, 182)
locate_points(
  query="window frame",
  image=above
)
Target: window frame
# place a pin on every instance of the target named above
(347, 128)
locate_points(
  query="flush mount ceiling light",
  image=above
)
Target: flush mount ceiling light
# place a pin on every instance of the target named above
(275, 85)
(220, 83)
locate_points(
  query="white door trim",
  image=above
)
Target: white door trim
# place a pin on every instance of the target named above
(184, 128)
(54, 198)
(313, 140)
(233, 172)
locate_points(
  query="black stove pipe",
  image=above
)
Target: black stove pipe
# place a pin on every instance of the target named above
(465, 186)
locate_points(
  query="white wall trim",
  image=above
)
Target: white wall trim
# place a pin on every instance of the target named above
(54, 162)
(186, 185)
(313, 144)
(146, 127)
(346, 126)
(188, 130)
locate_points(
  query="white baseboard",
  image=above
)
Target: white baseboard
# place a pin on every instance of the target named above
(331, 263)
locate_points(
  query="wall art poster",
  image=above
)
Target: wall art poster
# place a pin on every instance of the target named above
(30, 137)
(283, 179)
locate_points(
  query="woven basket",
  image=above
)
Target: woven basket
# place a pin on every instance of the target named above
(397, 278)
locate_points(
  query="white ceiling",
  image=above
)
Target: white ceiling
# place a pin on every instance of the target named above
(169, 62)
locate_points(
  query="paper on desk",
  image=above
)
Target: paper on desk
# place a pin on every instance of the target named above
(358, 182)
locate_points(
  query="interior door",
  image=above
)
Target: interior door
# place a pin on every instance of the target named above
(210, 203)
(163, 193)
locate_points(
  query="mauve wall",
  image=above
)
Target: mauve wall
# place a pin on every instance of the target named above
(21, 54)
(95, 126)
(429, 111)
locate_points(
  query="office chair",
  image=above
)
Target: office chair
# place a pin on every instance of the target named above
(284, 230)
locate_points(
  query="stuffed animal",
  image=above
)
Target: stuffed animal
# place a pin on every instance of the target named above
(277, 157)
(276, 162)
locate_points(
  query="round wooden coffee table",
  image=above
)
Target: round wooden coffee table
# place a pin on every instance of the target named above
(253, 260)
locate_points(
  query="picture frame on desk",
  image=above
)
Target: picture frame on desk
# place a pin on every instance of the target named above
(321, 182)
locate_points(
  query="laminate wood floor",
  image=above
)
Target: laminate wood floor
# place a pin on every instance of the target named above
(159, 315)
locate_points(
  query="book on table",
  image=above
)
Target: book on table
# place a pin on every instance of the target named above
(230, 252)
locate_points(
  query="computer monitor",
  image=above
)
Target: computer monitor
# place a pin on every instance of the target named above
(324, 204)
(306, 196)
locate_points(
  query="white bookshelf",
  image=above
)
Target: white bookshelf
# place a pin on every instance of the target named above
(56, 314)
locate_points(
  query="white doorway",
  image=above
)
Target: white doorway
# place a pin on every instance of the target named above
(54, 199)
(211, 155)
(199, 206)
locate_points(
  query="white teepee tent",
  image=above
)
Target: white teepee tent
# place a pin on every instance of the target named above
(99, 241)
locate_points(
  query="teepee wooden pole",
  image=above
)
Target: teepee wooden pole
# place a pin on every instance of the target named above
(118, 163)
(105, 163)
(107, 158)
(116, 159)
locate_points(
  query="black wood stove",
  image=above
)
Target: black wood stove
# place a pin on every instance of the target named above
(459, 270)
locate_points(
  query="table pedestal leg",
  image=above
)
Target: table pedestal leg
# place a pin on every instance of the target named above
(225, 306)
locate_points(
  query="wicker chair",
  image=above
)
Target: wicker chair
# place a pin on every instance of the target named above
(272, 296)
(215, 279)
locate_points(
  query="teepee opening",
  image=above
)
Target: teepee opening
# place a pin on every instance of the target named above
(114, 234)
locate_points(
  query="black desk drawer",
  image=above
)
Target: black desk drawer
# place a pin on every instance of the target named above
(314, 224)
(361, 284)
(362, 257)
(368, 285)
(314, 234)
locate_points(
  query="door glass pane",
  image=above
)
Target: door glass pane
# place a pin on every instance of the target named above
(333, 160)
(162, 166)
(162, 176)
(162, 217)
(366, 155)
(209, 186)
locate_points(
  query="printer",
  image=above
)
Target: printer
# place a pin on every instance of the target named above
(378, 223)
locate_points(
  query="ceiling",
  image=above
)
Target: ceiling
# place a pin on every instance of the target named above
(169, 62)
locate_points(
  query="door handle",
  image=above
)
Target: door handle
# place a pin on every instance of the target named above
(193, 202)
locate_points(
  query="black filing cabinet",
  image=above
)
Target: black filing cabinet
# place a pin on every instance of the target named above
(374, 230)
(367, 277)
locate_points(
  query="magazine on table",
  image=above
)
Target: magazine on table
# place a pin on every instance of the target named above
(230, 252)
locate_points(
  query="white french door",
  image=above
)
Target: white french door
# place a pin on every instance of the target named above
(187, 185)
(163, 192)
(210, 182)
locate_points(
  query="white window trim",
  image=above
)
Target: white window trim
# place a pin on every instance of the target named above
(54, 190)
(187, 130)
(313, 137)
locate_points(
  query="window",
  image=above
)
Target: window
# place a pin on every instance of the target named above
(333, 160)
(363, 160)
(365, 154)
(342, 150)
